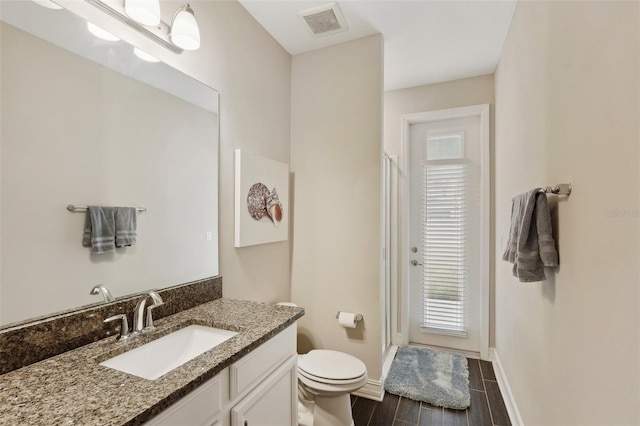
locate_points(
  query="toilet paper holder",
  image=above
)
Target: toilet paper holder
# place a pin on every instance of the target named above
(359, 317)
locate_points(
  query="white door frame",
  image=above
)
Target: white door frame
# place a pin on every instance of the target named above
(481, 111)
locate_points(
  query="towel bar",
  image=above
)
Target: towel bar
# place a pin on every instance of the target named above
(74, 208)
(559, 189)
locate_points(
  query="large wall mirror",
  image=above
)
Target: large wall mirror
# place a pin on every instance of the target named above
(85, 122)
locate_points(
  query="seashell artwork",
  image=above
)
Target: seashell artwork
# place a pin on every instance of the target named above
(261, 203)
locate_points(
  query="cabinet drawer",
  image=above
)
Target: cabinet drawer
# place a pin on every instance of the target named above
(198, 408)
(254, 367)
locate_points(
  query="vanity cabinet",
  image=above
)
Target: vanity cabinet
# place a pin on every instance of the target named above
(260, 389)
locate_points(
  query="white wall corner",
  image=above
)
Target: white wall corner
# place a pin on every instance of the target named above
(505, 389)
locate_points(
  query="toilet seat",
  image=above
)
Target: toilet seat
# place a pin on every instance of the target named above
(326, 381)
(322, 387)
(331, 367)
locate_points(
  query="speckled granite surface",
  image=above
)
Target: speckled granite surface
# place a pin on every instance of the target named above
(73, 389)
(32, 341)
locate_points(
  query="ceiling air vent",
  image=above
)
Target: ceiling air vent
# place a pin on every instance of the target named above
(324, 20)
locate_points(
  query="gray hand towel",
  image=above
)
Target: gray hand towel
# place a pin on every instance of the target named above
(99, 229)
(531, 246)
(125, 226)
(86, 236)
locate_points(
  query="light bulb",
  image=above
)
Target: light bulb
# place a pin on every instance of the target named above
(144, 55)
(184, 29)
(146, 12)
(100, 33)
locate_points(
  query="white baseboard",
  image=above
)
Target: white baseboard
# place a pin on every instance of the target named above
(505, 389)
(374, 389)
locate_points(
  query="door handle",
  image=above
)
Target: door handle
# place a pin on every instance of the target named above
(415, 262)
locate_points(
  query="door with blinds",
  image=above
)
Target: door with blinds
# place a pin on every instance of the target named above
(445, 234)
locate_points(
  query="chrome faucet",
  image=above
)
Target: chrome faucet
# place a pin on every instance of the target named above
(138, 314)
(100, 289)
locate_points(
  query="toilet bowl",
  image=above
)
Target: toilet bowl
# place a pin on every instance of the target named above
(325, 379)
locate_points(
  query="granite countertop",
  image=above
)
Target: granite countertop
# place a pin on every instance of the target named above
(73, 389)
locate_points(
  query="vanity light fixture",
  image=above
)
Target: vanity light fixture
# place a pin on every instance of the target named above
(48, 4)
(183, 34)
(144, 55)
(100, 33)
(184, 29)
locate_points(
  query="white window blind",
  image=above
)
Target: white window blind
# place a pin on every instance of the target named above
(445, 263)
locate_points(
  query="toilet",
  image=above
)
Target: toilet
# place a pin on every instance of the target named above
(325, 380)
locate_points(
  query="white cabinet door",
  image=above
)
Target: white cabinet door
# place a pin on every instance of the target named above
(200, 407)
(272, 403)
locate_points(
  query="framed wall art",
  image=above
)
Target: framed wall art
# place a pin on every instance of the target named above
(261, 200)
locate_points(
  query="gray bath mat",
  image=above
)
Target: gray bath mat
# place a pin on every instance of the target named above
(422, 374)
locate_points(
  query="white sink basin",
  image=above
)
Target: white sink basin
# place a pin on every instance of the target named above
(162, 355)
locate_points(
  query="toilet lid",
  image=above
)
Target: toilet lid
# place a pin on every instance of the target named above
(334, 365)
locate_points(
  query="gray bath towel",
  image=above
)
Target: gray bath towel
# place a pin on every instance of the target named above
(531, 246)
(99, 229)
(125, 226)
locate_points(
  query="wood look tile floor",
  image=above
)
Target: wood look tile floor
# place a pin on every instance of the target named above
(487, 406)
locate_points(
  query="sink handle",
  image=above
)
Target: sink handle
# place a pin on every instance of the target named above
(124, 325)
(148, 326)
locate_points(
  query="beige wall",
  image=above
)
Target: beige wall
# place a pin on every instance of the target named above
(252, 72)
(567, 96)
(336, 155)
(433, 97)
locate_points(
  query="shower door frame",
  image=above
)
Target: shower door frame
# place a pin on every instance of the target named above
(388, 290)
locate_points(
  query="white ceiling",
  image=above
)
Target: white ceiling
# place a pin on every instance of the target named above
(425, 41)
